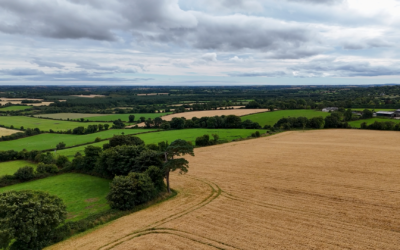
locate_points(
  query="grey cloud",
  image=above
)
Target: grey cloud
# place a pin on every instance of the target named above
(95, 66)
(21, 72)
(317, 1)
(56, 19)
(47, 64)
(367, 44)
(259, 74)
(330, 67)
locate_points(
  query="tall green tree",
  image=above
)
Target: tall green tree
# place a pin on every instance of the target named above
(171, 164)
(28, 219)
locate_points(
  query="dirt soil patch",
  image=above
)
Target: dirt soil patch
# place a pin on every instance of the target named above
(326, 189)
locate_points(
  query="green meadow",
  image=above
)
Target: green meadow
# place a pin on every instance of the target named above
(100, 118)
(10, 167)
(49, 141)
(376, 109)
(357, 124)
(83, 195)
(42, 124)
(270, 118)
(14, 108)
(170, 136)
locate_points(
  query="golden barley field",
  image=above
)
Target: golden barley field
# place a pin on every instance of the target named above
(5, 131)
(326, 189)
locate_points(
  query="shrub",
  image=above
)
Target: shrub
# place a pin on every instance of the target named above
(39, 214)
(25, 173)
(203, 140)
(126, 192)
(98, 139)
(61, 161)
(257, 134)
(60, 145)
(156, 175)
(47, 168)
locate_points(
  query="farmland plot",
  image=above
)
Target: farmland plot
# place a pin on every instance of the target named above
(327, 189)
(5, 131)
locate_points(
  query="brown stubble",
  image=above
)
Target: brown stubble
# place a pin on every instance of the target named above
(327, 189)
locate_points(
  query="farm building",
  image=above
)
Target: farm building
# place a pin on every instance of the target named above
(329, 109)
(397, 113)
(384, 114)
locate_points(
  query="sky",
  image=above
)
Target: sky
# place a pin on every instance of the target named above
(199, 42)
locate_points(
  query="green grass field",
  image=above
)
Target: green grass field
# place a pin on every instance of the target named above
(10, 167)
(49, 141)
(170, 136)
(270, 118)
(100, 118)
(377, 109)
(14, 108)
(83, 195)
(357, 124)
(42, 124)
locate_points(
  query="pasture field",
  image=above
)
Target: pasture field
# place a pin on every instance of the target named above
(83, 195)
(270, 118)
(10, 167)
(6, 131)
(209, 113)
(376, 109)
(42, 124)
(357, 124)
(49, 141)
(170, 136)
(14, 108)
(319, 189)
(100, 117)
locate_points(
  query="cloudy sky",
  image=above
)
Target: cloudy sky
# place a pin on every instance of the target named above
(199, 42)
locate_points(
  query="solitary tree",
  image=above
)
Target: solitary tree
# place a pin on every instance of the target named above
(176, 148)
(131, 118)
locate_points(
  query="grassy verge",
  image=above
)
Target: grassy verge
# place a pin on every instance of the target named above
(357, 124)
(10, 167)
(42, 124)
(83, 195)
(170, 136)
(49, 141)
(270, 118)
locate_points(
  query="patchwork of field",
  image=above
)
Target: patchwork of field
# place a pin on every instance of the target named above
(49, 141)
(170, 136)
(100, 117)
(14, 108)
(271, 118)
(357, 124)
(10, 167)
(209, 113)
(5, 131)
(42, 124)
(376, 109)
(83, 195)
(321, 189)
(89, 96)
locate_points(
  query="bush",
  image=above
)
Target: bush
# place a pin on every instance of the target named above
(203, 140)
(47, 168)
(156, 175)
(98, 139)
(126, 192)
(62, 161)
(25, 173)
(39, 214)
(60, 145)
